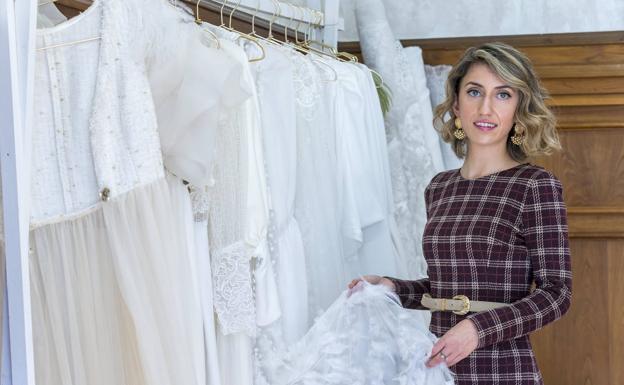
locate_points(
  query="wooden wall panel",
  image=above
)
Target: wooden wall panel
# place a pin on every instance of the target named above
(582, 336)
(584, 73)
(591, 167)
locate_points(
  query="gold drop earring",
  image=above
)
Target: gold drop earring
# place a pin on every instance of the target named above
(459, 132)
(517, 138)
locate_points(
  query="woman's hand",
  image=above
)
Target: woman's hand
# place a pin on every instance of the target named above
(455, 345)
(373, 280)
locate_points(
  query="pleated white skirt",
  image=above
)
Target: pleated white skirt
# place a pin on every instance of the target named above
(115, 294)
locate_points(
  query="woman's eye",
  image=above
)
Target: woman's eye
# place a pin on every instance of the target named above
(504, 95)
(474, 92)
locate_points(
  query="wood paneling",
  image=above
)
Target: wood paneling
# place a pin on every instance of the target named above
(615, 314)
(589, 117)
(575, 349)
(584, 73)
(591, 167)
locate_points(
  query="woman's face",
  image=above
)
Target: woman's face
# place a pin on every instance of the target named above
(486, 107)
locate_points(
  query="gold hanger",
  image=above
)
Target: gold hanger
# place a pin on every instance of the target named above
(277, 12)
(199, 22)
(304, 44)
(246, 36)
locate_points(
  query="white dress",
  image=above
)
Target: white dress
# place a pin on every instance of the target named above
(235, 205)
(276, 95)
(114, 294)
(413, 147)
(367, 338)
(317, 206)
(365, 193)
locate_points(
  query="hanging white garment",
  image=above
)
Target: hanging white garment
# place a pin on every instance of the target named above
(367, 338)
(414, 150)
(382, 238)
(436, 80)
(276, 95)
(317, 203)
(365, 194)
(237, 212)
(114, 294)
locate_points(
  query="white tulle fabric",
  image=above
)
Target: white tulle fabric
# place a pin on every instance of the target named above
(115, 305)
(413, 146)
(436, 80)
(367, 338)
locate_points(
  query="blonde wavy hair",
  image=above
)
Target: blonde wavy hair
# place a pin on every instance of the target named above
(533, 118)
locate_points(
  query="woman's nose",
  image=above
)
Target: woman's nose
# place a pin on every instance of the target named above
(486, 106)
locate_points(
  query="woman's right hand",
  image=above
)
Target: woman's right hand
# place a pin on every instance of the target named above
(373, 280)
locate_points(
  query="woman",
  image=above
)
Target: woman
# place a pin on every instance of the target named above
(494, 226)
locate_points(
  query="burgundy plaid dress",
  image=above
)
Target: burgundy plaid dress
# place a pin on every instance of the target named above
(489, 238)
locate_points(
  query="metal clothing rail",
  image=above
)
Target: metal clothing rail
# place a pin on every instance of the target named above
(284, 14)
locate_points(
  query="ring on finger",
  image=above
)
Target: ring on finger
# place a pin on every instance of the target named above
(443, 356)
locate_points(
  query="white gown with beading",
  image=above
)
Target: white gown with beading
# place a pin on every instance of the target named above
(114, 292)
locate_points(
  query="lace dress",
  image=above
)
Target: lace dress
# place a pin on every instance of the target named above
(413, 146)
(436, 80)
(113, 288)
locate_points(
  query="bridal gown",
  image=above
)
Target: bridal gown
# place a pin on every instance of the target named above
(413, 146)
(114, 292)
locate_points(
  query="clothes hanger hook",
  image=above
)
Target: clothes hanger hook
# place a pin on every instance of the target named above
(253, 19)
(198, 20)
(232, 13)
(221, 13)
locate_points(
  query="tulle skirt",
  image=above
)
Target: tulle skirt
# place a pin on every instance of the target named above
(115, 296)
(367, 338)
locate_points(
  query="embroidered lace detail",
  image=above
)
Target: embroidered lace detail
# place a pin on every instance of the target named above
(307, 86)
(233, 294)
(200, 201)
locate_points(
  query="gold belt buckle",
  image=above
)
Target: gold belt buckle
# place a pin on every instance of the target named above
(465, 307)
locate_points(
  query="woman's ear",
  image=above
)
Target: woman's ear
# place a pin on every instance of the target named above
(456, 105)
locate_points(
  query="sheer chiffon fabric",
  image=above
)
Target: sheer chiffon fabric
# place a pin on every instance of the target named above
(114, 305)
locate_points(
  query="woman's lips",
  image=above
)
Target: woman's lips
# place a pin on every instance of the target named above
(485, 126)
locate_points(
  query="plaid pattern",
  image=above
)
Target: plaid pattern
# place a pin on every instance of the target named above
(490, 238)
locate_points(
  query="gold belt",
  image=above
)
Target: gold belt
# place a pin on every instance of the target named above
(460, 304)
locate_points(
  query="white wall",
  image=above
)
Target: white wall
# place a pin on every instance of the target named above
(418, 19)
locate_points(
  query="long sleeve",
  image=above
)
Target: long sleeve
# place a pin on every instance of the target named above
(545, 233)
(410, 292)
